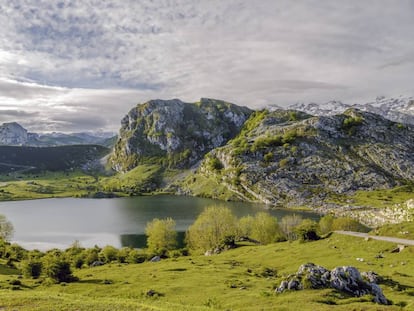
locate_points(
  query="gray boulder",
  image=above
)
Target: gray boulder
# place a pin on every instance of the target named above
(345, 279)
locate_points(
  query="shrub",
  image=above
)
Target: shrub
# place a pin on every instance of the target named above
(288, 225)
(307, 231)
(268, 157)
(32, 268)
(108, 254)
(211, 228)
(347, 224)
(161, 235)
(136, 256)
(6, 228)
(263, 227)
(57, 268)
(325, 224)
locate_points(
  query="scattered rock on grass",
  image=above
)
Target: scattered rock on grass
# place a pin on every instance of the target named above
(345, 279)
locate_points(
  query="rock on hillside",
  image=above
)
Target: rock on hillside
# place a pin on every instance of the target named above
(175, 134)
(290, 158)
(12, 134)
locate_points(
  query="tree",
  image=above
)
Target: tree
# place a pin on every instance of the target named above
(161, 235)
(347, 224)
(263, 227)
(325, 224)
(213, 228)
(288, 225)
(57, 267)
(307, 230)
(108, 254)
(6, 228)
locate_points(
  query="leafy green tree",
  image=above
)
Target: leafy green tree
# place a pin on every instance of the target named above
(136, 256)
(325, 224)
(307, 230)
(108, 254)
(6, 228)
(347, 224)
(57, 268)
(161, 235)
(212, 228)
(263, 227)
(288, 225)
(32, 268)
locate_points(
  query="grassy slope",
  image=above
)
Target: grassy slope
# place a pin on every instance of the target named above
(205, 283)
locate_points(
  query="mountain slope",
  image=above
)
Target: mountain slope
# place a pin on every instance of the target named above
(63, 158)
(290, 158)
(175, 134)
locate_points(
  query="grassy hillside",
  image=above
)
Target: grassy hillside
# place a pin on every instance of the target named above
(240, 279)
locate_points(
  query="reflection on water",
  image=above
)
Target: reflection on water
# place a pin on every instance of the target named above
(48, 223)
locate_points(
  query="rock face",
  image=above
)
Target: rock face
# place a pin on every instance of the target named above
(174, 133)
(345, 279)
(289, 158)
(12, 134)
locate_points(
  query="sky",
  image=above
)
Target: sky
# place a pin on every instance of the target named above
(81, 65)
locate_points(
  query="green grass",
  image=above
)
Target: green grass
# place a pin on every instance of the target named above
(378, 198)
(46, 185)
(229, 281)
(404, 230)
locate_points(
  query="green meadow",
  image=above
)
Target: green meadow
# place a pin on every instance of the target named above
(240, 279)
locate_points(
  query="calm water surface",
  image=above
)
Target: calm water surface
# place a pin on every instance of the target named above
(48, 223)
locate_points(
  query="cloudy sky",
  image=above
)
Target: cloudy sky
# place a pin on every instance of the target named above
(82, 64)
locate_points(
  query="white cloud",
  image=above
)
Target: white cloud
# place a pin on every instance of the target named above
(87, 57)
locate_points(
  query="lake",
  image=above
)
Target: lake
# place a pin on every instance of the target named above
(48, 223)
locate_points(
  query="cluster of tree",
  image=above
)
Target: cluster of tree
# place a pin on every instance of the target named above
(216, 228)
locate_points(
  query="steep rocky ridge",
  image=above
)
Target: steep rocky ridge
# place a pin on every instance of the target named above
(173, 133)
(12, 134)
(290, 158)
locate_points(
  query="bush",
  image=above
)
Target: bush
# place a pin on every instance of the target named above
(6, 228)
(288, 225)
(32, 268)
(211, 228)
(136, 256)
(307, 231)
(161, 235)
(325, 224)
(347, 224)
(58, 269)
(263, 227)
(108, 254)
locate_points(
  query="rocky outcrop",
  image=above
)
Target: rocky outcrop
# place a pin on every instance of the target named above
(345, 279)
(289, 158)
(175, 134)
(12, 134)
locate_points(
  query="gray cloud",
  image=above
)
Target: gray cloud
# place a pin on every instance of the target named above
(102, 57)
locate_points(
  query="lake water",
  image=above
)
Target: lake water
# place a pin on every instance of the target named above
(48, 223)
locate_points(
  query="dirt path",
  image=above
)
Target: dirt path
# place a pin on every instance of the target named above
(375, 237)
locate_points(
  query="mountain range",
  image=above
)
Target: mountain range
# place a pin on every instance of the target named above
(397, 109)
(13, 134)
(306, 155)
(275, 156)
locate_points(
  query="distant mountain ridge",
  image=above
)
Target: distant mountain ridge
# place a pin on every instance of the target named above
(397, 109)
(13, 134)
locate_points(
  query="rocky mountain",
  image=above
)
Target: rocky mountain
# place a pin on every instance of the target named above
(13, 134)
(398, 109)
(290, 158)
(173, 133)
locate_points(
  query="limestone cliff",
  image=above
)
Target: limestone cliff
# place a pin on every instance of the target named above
(173, 133)
(290, 158)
